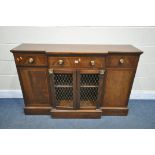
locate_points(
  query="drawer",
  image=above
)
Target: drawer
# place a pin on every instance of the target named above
(30, 59)
(122, 61)
(96, 62)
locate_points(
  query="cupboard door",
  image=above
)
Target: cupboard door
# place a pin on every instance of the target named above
(63, 88)
(89, 87)
(117, 87)
(34, 82)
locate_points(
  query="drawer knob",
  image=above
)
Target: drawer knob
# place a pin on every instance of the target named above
(121, 61)
(92, 63)
(76, 61)
(31, 60)
(61, 62)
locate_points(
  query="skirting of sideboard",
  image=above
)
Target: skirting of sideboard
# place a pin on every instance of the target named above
(104, 111)
(114, 111)
(96, 113)
(37, 110)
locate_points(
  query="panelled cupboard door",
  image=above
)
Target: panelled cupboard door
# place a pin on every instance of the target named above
(117, 87)
(34, 82)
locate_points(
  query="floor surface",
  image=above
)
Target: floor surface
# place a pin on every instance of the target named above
(141, 116)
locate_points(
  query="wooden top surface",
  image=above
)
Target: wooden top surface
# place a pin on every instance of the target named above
(76, 48)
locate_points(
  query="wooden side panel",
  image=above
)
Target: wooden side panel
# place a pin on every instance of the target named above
(117, 87)
(34, 82)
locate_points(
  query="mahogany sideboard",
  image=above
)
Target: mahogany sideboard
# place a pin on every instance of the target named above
(76, 80)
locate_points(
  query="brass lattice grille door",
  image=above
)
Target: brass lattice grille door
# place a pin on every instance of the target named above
(89, 83)
(63, 83)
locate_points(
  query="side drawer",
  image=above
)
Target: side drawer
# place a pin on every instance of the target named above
(122, 60)
(30, 59)
(94, 62)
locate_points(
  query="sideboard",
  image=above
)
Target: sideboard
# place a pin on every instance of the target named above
(76, 80)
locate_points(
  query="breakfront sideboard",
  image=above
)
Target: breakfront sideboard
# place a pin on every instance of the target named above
(76, 80)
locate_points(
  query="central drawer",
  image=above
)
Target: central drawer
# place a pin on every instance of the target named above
(97, 62)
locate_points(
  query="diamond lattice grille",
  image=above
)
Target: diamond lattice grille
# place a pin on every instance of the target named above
(63, 89)
(89, 89)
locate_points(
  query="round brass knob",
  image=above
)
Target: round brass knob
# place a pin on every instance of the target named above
(61, 62)
(92, 63)
(30, 60)
(121, 61)
(76, 61)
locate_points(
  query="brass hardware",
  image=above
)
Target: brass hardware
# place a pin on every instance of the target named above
(76, 61)
(19, 59)
(50, 71)
(92, 63)
(121, 61)
(61, 62)
(102, 71)
(30, 60)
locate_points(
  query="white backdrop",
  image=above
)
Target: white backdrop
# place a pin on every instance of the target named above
(141, 37)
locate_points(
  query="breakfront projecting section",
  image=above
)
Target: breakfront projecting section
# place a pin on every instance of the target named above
(76, 81)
